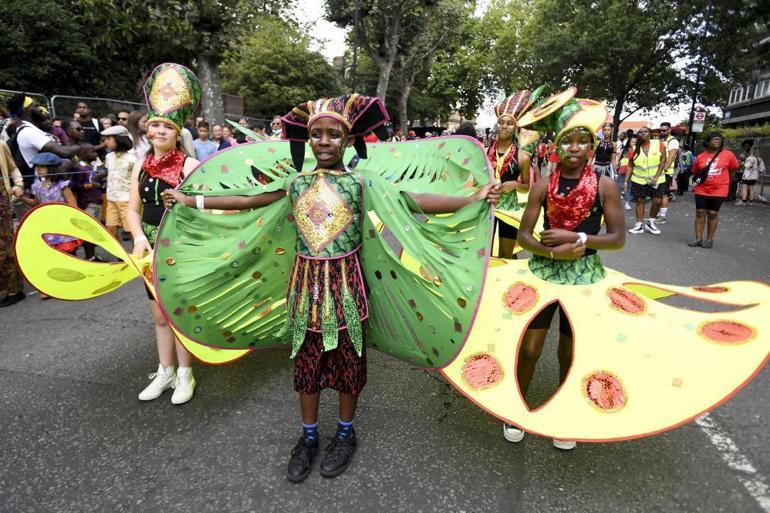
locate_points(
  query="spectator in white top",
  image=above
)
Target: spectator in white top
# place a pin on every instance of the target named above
(137, 130)
(119, 163)
(752, 168)
(31, 134)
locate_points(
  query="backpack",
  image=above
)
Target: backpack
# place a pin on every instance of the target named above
(27, 173)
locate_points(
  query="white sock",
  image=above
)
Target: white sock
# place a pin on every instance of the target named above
(184, 371)
(663, 211)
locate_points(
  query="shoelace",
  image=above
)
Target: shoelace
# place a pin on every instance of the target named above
(302, 450)
(337, 448)
(154, 375)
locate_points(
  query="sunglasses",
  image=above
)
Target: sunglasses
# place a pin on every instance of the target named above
(122, 119)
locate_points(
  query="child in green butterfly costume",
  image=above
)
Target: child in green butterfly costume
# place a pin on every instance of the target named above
(327, 300)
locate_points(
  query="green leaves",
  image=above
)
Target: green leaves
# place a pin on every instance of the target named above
(274, 69)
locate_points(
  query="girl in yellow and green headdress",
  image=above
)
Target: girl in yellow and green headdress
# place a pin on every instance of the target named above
(576, 201)
(172, 93)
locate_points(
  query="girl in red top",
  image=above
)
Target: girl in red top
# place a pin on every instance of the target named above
(712, 170)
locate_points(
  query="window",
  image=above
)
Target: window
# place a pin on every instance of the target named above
(762, 89)
(740, 94)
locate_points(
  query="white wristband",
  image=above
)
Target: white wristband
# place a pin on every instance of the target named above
(199, 202)
(582, 237)
(139, 239)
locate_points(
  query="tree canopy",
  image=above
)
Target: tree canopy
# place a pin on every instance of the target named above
(426, 58)
(274, 69)
(634, 55)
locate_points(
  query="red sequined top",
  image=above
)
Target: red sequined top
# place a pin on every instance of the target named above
(570, 209)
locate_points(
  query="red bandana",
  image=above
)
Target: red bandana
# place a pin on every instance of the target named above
(568, 211)
(502, 166)
(167, 168)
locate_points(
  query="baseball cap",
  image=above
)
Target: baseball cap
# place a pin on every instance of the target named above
(45, 158)
(116, 130)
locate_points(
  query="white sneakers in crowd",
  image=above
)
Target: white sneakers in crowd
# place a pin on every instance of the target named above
(182, 382)
(648, 225)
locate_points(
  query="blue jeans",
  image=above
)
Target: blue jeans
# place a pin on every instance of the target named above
(621, 181)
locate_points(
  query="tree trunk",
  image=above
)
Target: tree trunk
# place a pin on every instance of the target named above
(403, 102)
(211, 90)
(619, 102)
(382, 84)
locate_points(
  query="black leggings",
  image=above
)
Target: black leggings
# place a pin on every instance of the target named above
(712, 203)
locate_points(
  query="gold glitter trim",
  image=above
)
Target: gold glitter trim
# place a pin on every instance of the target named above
(321, 214)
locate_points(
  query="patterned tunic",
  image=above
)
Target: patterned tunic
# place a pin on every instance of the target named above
(327, 298)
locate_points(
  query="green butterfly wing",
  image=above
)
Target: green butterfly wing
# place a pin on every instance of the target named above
(425, 272)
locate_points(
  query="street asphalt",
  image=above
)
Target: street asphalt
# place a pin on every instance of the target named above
(74, 437)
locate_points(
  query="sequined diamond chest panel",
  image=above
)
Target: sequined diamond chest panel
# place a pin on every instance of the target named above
(327, 210)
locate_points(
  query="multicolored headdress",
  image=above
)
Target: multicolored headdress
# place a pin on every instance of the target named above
(513, 105)
(358, 114)
(172, 93)
(517, 106)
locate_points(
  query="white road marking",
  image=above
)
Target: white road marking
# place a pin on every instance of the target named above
(747, 474)
(31, 293)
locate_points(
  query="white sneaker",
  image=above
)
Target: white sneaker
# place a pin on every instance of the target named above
(628, 207)
(564, 445)
(651, 227)
(512, 433)
(662, 220)
(637, 228)
(185, 386)
(161, 381)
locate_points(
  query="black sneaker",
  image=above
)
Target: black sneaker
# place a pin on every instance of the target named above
(339, 455)
(301, 459)
(12, 299)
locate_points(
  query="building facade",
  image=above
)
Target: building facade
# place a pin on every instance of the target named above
(750, 104)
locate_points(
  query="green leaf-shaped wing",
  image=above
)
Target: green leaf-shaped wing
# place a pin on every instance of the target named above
(425, 272)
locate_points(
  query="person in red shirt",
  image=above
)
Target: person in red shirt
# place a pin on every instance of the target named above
(712, 171)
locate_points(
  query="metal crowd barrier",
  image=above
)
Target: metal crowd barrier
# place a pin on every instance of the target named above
(5, 95)
(64, 106)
